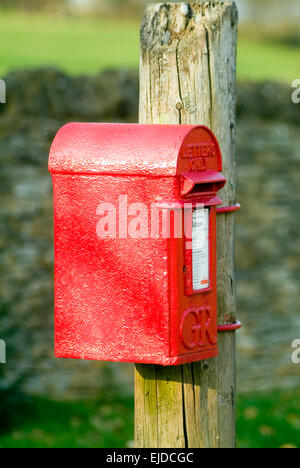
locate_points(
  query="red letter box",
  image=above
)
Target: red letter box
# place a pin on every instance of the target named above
(135, 242)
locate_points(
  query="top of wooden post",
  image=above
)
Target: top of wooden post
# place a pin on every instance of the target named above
(170, 20)
(188, 72)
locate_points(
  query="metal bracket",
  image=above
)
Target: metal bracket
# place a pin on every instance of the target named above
(236, 325)
(230, 327)
(228, 209)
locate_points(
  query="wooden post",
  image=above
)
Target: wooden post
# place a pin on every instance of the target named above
(188, 76)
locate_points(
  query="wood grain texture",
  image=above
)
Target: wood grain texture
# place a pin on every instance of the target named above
(188, 76)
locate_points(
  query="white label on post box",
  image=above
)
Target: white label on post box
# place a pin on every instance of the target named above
(200, 249)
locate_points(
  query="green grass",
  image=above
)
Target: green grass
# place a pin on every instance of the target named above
(269, 421)
(87, 424)
(264, 421)
(86, 45)
(264, 60)
(73, 44)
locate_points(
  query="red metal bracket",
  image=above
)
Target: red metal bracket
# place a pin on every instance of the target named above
(236, 325)
(230, 327)
(228, 209)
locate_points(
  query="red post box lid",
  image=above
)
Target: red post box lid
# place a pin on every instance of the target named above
(132, 149)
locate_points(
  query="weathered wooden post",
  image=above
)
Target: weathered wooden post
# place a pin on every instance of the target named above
(187, 76)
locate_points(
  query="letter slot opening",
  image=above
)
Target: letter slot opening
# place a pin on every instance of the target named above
(202, 183)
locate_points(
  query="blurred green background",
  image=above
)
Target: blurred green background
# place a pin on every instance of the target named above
(83, 38)
(85, 45)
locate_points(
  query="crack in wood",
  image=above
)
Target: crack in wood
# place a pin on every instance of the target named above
(185, 432)
(209, 76)
(179, 82)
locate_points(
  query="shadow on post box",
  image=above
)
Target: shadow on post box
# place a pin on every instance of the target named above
(135, 242)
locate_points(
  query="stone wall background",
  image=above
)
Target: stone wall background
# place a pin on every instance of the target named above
(268, 250)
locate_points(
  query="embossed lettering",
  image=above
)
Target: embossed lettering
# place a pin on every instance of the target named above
(199, 151)
(195, 328)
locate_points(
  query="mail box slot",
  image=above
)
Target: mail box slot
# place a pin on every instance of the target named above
(135, 242)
